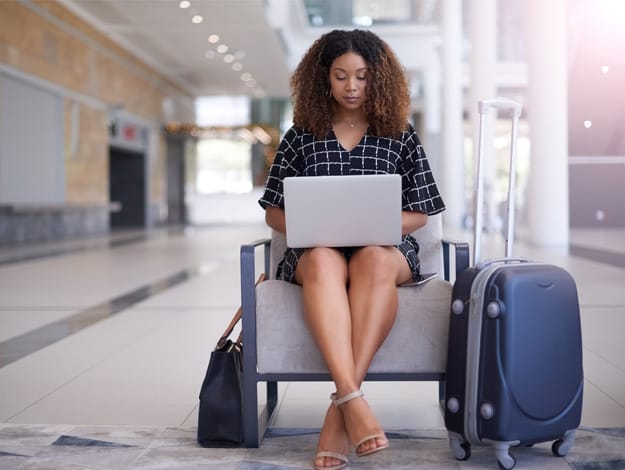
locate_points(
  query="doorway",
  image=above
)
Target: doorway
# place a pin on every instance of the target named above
(127, 188)
(176, 209)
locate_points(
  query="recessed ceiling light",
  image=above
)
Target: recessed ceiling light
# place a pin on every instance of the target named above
(362, 20)
(605, 69)
(185, 4)
(237, 66)
(246, 76)
(228, 58)
(213, 38)
(587, 124)
(222, 48)
(197, 19)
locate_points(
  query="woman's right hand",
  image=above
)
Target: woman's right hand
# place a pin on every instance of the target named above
(274, 217)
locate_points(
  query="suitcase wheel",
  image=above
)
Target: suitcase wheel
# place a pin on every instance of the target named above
(555, 448)
(460, 448)
(463, 452)
(506, 463)
(502, 453)
(467, 451)
(562, 446)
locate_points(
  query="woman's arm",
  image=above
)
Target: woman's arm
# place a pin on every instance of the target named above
(274, 217)
(411, 221)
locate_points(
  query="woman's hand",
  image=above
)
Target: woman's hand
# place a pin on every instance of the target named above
(274, 217)
(411, 221)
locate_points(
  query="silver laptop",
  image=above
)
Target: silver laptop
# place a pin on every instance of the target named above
(351, 210)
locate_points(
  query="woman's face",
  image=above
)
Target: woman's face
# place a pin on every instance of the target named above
(348, 81)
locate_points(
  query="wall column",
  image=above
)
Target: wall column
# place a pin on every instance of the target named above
(548, 189)
(432, 116)
(452, 184)
(482, 16)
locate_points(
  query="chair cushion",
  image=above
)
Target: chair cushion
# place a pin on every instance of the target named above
(417, 342)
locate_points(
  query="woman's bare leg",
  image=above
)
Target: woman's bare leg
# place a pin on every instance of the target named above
(322, 273)
(374, 273)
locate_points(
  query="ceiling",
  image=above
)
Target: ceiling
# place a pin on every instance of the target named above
(265, 38)
(268, 37)
(163, 35)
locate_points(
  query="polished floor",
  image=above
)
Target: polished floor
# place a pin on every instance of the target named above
(117, 331)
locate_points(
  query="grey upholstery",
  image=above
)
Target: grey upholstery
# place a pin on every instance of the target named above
(418, 340)
(278, 346)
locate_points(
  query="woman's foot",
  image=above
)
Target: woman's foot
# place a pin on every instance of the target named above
(362, 427)
(333, 444)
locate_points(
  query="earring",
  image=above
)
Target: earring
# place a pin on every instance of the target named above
(329, 92)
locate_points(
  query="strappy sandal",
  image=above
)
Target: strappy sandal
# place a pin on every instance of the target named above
(344, 461)
(377, 434)
(326, 453)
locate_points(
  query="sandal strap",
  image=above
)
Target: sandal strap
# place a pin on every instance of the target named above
(335, 455)
(370, 437)
(346, 398)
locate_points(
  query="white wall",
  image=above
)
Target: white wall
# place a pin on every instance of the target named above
(31, 144)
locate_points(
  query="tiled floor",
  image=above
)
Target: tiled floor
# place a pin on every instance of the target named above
(149, 313)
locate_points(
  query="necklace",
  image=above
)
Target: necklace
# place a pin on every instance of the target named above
(350, 124)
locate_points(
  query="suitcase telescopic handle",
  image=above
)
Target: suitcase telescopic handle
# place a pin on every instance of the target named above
(500, 103)
(483, 107)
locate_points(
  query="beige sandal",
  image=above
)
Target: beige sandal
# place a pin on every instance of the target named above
(326, 453)
(377, 434)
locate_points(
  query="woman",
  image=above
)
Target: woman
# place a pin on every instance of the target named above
(350, 117)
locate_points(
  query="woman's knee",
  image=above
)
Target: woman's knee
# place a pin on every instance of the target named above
(375, 263)
(322, 263)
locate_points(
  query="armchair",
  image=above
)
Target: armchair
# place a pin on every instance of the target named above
(279, 348)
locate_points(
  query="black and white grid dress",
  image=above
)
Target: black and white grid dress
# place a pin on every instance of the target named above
(301, 154)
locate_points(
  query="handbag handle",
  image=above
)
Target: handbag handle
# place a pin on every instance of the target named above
(235, 319)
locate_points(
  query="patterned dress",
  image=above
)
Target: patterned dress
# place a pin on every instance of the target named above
(301, 154)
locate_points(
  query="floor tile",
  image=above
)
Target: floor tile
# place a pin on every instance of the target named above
(16, 321)
(601, 410)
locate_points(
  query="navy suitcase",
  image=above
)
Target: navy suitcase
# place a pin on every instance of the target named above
(514, 365)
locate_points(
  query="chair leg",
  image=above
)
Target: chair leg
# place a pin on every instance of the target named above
(250, 412)
(272, 398)
(441, 393)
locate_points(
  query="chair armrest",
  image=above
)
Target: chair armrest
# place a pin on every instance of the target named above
(248, 272)
(461, 258)
(248, 255)
(248, 310)
(248, 276)
(248, 302)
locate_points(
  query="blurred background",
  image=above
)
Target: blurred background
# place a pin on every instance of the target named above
(120, 115)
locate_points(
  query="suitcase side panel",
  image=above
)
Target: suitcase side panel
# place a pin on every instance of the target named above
(455, 388)
(530, 367)
(477, 311)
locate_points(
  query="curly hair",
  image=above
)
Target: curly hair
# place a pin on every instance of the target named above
(388, 97)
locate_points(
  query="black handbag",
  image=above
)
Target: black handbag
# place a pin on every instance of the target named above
(220, 417)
